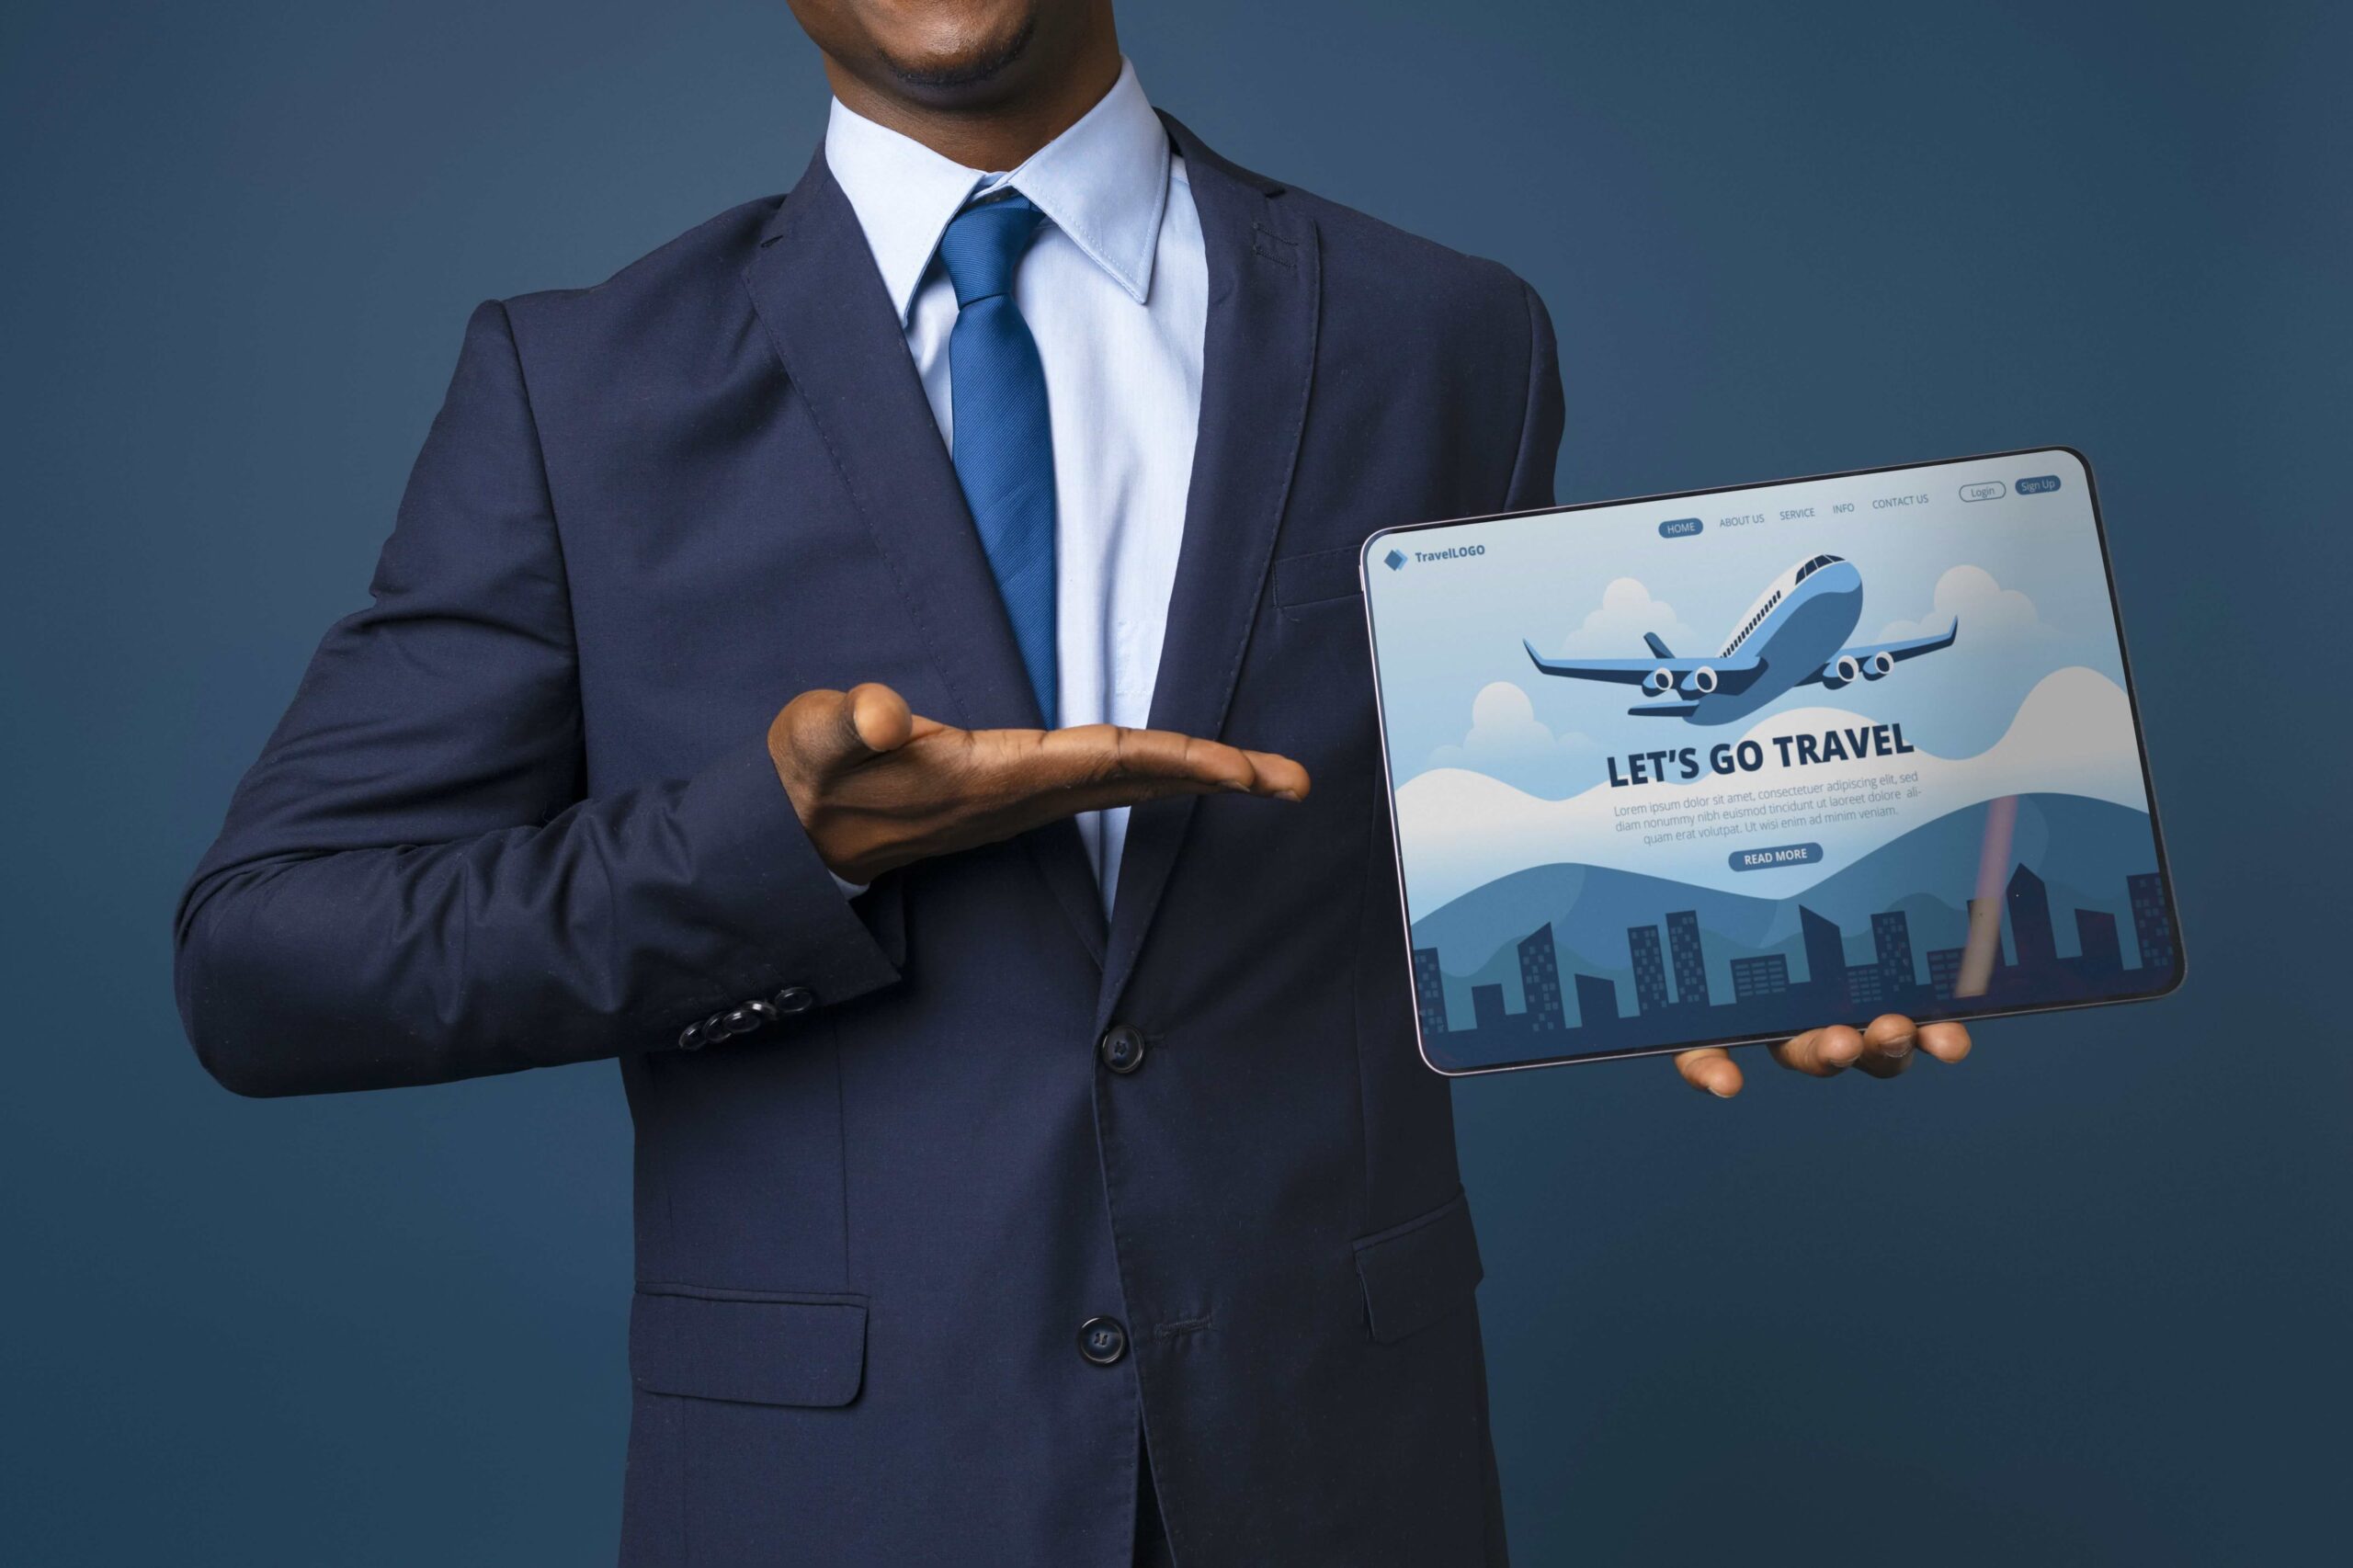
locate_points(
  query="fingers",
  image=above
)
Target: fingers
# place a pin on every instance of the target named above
(1948, 1042)
(1888, 1043)
(1885, 1048)
(1277, 776)
(1711, 1068)
(1104, 765)
(1822, 1054)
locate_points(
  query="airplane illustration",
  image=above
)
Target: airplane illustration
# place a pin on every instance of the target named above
(1794, 635)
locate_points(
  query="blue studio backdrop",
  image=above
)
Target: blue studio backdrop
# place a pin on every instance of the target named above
(2082, 1300)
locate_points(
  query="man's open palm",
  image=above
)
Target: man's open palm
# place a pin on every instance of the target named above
(877, 786)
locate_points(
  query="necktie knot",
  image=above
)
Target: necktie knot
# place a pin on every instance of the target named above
(983, 244)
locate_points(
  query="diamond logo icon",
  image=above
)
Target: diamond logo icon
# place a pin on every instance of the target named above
(1394, 560)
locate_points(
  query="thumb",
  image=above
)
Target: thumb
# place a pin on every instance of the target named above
(821, 732)
(878, 718)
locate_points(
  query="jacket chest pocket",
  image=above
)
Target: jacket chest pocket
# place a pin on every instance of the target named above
(1318, 582)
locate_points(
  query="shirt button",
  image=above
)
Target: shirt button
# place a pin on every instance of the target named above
(1102, 1340)
(1121, 1048)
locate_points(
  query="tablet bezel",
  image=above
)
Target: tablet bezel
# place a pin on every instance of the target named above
(1365, 556)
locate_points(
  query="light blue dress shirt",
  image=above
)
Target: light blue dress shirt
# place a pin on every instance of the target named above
(1116, 291)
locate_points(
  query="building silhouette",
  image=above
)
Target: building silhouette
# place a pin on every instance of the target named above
(1429, 991)
(2031, 934)
(2001, 958)
(2096, 940)
(1690, 961)
(1766, 1000)
(2152, 927)
(1944, 971)
(1826, 952)
(1767, 976)
(1596, 1002)
(1540, 979)
(1891, 941)
(1650, 967)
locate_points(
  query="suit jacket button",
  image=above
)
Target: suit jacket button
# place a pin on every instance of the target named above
(1121, 1048)
(690, 1038)
(1102, 1340)
(795, 999)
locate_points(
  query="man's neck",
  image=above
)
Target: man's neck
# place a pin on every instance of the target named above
(993, 137)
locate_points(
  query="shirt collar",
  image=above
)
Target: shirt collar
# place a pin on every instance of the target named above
(1103, 182)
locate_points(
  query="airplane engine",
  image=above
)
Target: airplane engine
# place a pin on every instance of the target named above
(1657, 681)
(1703, 680)
(1878, 665)
(1843, 670)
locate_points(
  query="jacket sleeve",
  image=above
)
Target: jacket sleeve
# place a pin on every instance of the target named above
(410, 888)
(1540, 430)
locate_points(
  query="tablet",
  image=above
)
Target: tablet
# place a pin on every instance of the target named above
(1716, 767)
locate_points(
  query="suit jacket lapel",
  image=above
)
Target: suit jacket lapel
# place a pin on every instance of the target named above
(830, 320)
(1258, 362)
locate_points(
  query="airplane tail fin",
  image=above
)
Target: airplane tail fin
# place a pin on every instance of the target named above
(1657, 645)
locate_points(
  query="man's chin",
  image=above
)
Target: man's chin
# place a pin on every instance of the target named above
(977, 66)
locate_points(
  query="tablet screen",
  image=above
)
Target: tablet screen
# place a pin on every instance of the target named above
(1724, 765)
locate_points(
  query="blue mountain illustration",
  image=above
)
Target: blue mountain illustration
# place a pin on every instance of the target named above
(2084, 850)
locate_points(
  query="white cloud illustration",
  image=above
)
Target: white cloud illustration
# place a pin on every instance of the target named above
(1461, 829)
(1508, 740)
(1983, 606)
(1615, 630)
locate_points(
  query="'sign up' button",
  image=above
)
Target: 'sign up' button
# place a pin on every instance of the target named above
(2042, 486)
(1780, 854)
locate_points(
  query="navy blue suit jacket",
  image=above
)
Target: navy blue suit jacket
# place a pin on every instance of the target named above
(520, 813)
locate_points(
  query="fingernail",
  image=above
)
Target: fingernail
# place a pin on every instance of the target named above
(1287, 795)
(1721, 1093)
(1230, 788)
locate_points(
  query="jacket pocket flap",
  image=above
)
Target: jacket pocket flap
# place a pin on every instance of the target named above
(750, 1347)
(1319, 575)
(1418, 1272)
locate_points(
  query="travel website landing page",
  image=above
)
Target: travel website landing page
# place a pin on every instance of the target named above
(1730, 765)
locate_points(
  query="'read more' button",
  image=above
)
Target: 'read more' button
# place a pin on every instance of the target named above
(1779, 855)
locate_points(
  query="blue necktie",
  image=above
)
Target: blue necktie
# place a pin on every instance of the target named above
(1004, 446)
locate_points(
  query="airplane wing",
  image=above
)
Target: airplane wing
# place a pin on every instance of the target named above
(1732, 675)
(1909, 648)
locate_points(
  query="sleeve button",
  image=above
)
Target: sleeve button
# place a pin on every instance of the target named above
(794, 1000)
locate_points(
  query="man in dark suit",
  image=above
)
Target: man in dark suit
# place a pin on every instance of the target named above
(1033, 1162)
